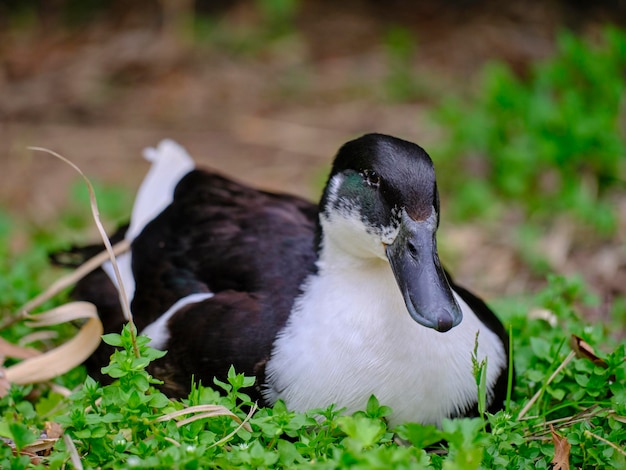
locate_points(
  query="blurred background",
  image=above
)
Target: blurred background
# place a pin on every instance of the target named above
(520, 104)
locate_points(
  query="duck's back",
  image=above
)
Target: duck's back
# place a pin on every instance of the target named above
(248, 250)
(217, 236)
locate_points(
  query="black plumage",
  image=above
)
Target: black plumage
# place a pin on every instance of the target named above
(254, 251)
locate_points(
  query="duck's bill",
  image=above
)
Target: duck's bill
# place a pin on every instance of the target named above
(422, 281)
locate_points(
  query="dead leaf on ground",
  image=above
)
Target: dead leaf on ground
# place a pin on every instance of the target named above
(585, 351)
(561, 451)
(52, 430)
(40, 447)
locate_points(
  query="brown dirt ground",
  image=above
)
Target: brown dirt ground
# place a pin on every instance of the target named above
(275, 116)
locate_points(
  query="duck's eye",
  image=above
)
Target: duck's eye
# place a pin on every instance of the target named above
(371, 178)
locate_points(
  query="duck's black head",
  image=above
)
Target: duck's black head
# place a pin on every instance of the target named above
(381, 201)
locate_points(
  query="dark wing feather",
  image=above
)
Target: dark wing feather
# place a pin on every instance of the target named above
(227, 329)
(253, 249)
(489, 318)
(219, 235)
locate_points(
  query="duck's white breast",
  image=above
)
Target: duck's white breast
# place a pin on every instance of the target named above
(342, 345)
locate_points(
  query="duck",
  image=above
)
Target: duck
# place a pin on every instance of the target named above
(323, 304)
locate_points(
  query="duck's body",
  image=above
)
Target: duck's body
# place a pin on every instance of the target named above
(307, 298)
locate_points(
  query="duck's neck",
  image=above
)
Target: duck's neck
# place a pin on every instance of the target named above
(346, 244)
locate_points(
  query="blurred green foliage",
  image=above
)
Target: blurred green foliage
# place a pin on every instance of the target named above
(278, 15)
(71, 14)
(73, 224)
(274, 24)
(550, 143)
(401, 83)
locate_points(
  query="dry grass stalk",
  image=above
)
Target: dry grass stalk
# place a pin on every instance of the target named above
(74, 457)
(60, 389)
(44, 335)
(607, 442)
(57, 361)
(210, 411)
(244, 424)
(204, 411)
(536, 396)
(71, 279)
(17, 352)
(105, 239)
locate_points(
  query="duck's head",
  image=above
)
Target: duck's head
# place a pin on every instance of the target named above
(381, 201)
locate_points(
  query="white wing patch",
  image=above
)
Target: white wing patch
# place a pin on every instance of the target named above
(158, 330)
(170, 163)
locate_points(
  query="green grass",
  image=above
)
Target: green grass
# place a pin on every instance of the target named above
(119, 426)
(549, 143)
(552, 142)
(122, 426)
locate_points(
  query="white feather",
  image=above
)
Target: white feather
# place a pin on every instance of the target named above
(158, 331)
(170, 163)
